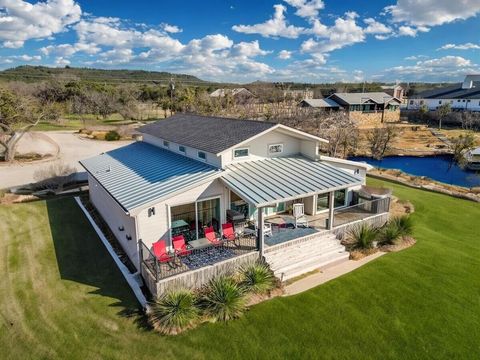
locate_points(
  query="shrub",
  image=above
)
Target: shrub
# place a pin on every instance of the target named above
(391, 233)
(363, 236)
(223, 299)
(112, 135)
(174, 312)
(404, 224)
(257, 278)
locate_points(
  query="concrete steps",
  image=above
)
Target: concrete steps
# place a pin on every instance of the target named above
(318, 251)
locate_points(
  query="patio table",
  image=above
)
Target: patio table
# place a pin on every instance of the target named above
(200, 243)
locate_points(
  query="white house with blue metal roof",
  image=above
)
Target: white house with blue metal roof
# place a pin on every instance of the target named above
(190, 172)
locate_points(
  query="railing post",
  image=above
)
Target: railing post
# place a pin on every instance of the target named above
(331, 208)
(260, 232)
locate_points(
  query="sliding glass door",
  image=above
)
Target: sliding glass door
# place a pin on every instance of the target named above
(208, 214)
(339, 200)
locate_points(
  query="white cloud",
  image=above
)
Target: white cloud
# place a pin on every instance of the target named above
(306, 8)
(375, 27)
(61, 61)
(444, 68)
(66, 50)
(277, 26)
(344, 32)
(173, 29)
(432, 12)
(411, 31)
(284, 54)
(21, 21)
(416, 57)
(466, 46)
(248, 49)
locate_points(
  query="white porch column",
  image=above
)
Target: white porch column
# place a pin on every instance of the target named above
(260, 239)
(331, 201)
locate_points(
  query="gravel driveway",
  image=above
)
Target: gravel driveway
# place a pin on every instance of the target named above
(72, 149)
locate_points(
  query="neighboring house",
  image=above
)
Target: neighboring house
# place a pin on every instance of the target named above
(320, 104)
(461, 97)
(191, 172)
(370, 108)
(239, 94)
(298, 94)
(396, 91)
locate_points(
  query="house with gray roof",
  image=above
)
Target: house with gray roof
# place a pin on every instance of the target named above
(198, 195)
(369, 108)
(320, 104)
(461, 96)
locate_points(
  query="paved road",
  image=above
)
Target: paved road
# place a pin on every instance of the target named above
(72, 149)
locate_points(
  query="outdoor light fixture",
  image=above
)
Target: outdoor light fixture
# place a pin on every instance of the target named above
(129, 237)
(121, 228)
(151, 211)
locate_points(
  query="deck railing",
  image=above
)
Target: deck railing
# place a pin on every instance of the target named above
(361, 211)
(196, 258)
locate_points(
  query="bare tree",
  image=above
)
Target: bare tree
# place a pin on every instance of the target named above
(380, 140)
(442, 113)
(460, 145)
(17, 117)
(54, 176)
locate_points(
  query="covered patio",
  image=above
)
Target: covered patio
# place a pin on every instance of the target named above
(266, 183)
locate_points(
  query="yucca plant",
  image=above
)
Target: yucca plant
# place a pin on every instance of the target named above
(174, 312)
(223, 299)
(391, 233)
(257, 278)
(363, 236)
(404, 224)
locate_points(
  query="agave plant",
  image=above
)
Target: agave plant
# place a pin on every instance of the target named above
(363, 236)
(174, 312)
(223, 299)
(257, 278)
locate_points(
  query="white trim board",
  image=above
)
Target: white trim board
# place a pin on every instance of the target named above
(121, 266)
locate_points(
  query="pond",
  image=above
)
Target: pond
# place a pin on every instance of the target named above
(440, 168)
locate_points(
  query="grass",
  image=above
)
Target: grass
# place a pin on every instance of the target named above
(61, 297)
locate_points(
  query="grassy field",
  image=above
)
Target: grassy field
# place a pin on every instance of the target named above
(61, 297)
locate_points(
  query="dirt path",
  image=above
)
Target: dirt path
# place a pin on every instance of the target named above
(71, 150)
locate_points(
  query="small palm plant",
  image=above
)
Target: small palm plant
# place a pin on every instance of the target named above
(257, 278)
(223, 299)
(363, 236)
(174, 312)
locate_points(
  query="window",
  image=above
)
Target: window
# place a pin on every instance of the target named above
(202, 155)
(239, 153)
(181, 148)
(411, 102)
(275, 149)
(339, 198)
(166, 143)
(439, 101)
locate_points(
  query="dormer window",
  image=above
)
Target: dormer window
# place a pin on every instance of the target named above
(166, 143)
(241, 153)
(181, 149)
(202, 155)
(275, 149)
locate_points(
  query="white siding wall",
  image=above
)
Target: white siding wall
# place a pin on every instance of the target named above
(157, 226)
(258, 147)
(115, 217)
(212, 159)
(433, 104)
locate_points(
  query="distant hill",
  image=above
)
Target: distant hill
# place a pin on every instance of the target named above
(39, 73)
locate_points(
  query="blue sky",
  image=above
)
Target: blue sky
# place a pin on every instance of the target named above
(285, 40)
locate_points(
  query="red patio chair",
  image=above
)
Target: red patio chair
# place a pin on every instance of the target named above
(160, 252)
(180, 247)
(212, 237)
(228, 233)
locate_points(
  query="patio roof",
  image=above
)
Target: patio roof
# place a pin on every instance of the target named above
(139, 174)
(270, 181)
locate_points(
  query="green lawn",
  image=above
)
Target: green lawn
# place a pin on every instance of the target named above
(61, 297)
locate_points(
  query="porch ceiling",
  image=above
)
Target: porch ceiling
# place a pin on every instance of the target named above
(267, 182)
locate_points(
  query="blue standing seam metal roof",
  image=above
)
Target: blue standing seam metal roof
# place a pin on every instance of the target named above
(140, 173)
(269, 181)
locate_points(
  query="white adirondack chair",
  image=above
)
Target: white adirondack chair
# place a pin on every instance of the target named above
(267, 228)
(299, 215)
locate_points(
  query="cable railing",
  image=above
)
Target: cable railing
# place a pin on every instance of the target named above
(361, 211)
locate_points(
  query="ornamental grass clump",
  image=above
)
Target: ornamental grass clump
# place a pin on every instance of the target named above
(174, 312)
(391, 233)
(404, 224)
(223, 299)
(256, 278)
(363, 236)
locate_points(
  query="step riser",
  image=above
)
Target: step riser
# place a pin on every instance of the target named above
(317, 252)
